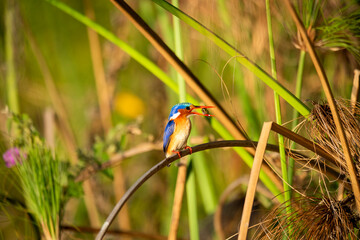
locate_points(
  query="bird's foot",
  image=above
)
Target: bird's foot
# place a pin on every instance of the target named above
(178, 153)
(190, 149)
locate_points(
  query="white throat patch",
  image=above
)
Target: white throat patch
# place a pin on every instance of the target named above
(175, 116)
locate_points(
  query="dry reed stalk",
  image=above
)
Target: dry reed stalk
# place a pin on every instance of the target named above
(330, 98)
(178, 198)
(119, 188)
(340, 191)
(99, 73)
(254, 177)
(105, 109)
(49, 128)
(89, 199)
(355, 88)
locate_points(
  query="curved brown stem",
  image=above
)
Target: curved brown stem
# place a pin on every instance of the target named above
(167, 161)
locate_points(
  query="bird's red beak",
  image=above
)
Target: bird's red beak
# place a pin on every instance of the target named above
(203, 110)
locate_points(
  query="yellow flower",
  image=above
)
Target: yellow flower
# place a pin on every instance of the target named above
(129, 105)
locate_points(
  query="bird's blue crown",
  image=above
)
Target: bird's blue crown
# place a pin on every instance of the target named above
(178, 106)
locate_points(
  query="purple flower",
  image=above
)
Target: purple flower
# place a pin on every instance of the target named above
(12, 156)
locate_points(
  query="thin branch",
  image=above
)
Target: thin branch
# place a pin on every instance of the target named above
(147, 147)
(143, 148)
(185, 152)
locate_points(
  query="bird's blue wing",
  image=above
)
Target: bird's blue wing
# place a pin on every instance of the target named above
(169, 130)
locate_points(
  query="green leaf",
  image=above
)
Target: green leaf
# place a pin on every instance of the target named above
(241, 58)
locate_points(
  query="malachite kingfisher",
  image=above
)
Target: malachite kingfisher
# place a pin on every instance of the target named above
(178, 128)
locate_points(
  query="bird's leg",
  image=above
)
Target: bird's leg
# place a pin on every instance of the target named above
(190, 149)
(178, 153)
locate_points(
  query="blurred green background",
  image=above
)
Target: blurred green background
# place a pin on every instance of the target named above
(140, 102)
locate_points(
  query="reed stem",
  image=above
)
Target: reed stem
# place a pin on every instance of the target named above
(287, 189)
(12, 91)
(296, 115)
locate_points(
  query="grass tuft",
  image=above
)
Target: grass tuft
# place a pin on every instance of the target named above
(321, 128)
(313, 218)
(41, 177)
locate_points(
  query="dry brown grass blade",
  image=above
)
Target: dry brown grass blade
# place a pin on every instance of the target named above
(355, 89)
(330, 98)
(99, 72)
(178, 198)
(89, 199)
(49, 128)
(254, 177)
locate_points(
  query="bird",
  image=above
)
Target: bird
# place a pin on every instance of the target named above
(178, 127)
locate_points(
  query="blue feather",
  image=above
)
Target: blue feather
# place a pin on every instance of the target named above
(169, 130)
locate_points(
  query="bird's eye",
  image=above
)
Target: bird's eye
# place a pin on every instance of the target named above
(187, 108)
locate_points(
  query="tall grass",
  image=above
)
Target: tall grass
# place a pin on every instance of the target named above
(283, 160)
(42, 178)
(255, 69)
(11, 85)
(138, 66)
(295, 116)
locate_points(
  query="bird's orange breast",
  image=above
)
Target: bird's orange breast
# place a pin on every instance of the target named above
(181, 133)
